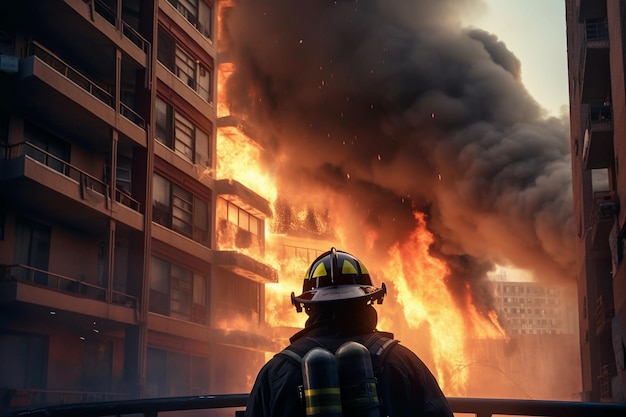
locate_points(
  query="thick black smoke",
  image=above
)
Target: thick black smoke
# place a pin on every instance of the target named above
(392, 106)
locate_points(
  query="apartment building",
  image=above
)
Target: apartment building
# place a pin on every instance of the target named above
(595, 45)
(113, 284)
(533, 308)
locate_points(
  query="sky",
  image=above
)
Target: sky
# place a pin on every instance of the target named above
(534, 30)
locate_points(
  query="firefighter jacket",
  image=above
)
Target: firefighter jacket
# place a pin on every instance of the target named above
(406, 386)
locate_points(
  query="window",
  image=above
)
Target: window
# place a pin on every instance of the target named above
(198, 13)
(238, 228)
(191, 70)
(180, 210)
(239, 298)
(123, 174)
(242, 218)
(177, 292)
(23, 360)
(46, 148)
(32, 248)
(179, 133)
(176, 374)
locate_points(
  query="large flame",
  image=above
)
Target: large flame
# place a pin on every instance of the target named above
(418, 279)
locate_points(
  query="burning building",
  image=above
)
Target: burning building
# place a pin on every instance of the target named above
(167, 180)
(114, 282)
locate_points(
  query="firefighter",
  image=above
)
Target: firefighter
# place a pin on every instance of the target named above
(338, 297)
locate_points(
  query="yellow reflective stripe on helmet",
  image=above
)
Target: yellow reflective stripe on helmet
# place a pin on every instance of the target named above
(320, 271)
(363, 268)
(348, 268)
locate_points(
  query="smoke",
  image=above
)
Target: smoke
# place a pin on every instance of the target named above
(389, 106)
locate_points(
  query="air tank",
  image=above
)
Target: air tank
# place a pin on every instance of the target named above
(359, 392)
(321, 384)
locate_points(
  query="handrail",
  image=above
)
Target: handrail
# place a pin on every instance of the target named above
(63, 283)
(56, 63)
(21, 149)
(52, 161)
(481, 407)
(82, 81)
(110, 16)
(123, 197)
(132, 115)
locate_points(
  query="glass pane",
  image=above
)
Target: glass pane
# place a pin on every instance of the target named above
(199, 289)
(202, 148)
(185, 131)
(159, 275)
(163, 122)
(161, 190)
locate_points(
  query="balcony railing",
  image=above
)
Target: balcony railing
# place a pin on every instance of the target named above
(103, 94)
(235, 403)
(110, 16)
(63, 167)
(25, 273)
(56, 63)
(86, 180)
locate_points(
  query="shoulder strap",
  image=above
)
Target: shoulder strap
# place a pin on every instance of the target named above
(298, 349)
(290, 354)
(379, 344)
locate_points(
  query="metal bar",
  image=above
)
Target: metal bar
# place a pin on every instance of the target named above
(481, 407)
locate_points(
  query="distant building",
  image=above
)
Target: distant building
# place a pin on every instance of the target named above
(531, 308)
(596, 34)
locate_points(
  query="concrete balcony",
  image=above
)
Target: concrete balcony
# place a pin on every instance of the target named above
(598, 140)
(243, 197)
(45, 184)
(46, 83)
(245, 266)
(604, 212)
(42, 292)
(595, 73)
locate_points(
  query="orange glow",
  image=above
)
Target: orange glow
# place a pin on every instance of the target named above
(420, 284)
(420, 296)
(238, 158)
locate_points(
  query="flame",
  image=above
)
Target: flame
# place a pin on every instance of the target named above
(418, 279)
(421, 290)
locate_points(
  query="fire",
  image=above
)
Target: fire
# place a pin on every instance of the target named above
(238, 158)
(418, 279)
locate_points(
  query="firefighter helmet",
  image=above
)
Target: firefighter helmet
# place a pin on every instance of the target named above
(337, 276)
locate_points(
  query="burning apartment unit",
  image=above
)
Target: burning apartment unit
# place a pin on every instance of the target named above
(126, 262)
(595, 36)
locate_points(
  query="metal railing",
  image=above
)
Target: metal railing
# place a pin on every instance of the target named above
(56, 163)
(128, 31)
(26, 273)
(57, 64)
(15, 397)
(83, 178)
(235, 404)
(103, 94)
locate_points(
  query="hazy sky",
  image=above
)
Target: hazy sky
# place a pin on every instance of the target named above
(534, 30)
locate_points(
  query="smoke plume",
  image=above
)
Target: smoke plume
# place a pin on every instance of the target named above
(383, 107)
